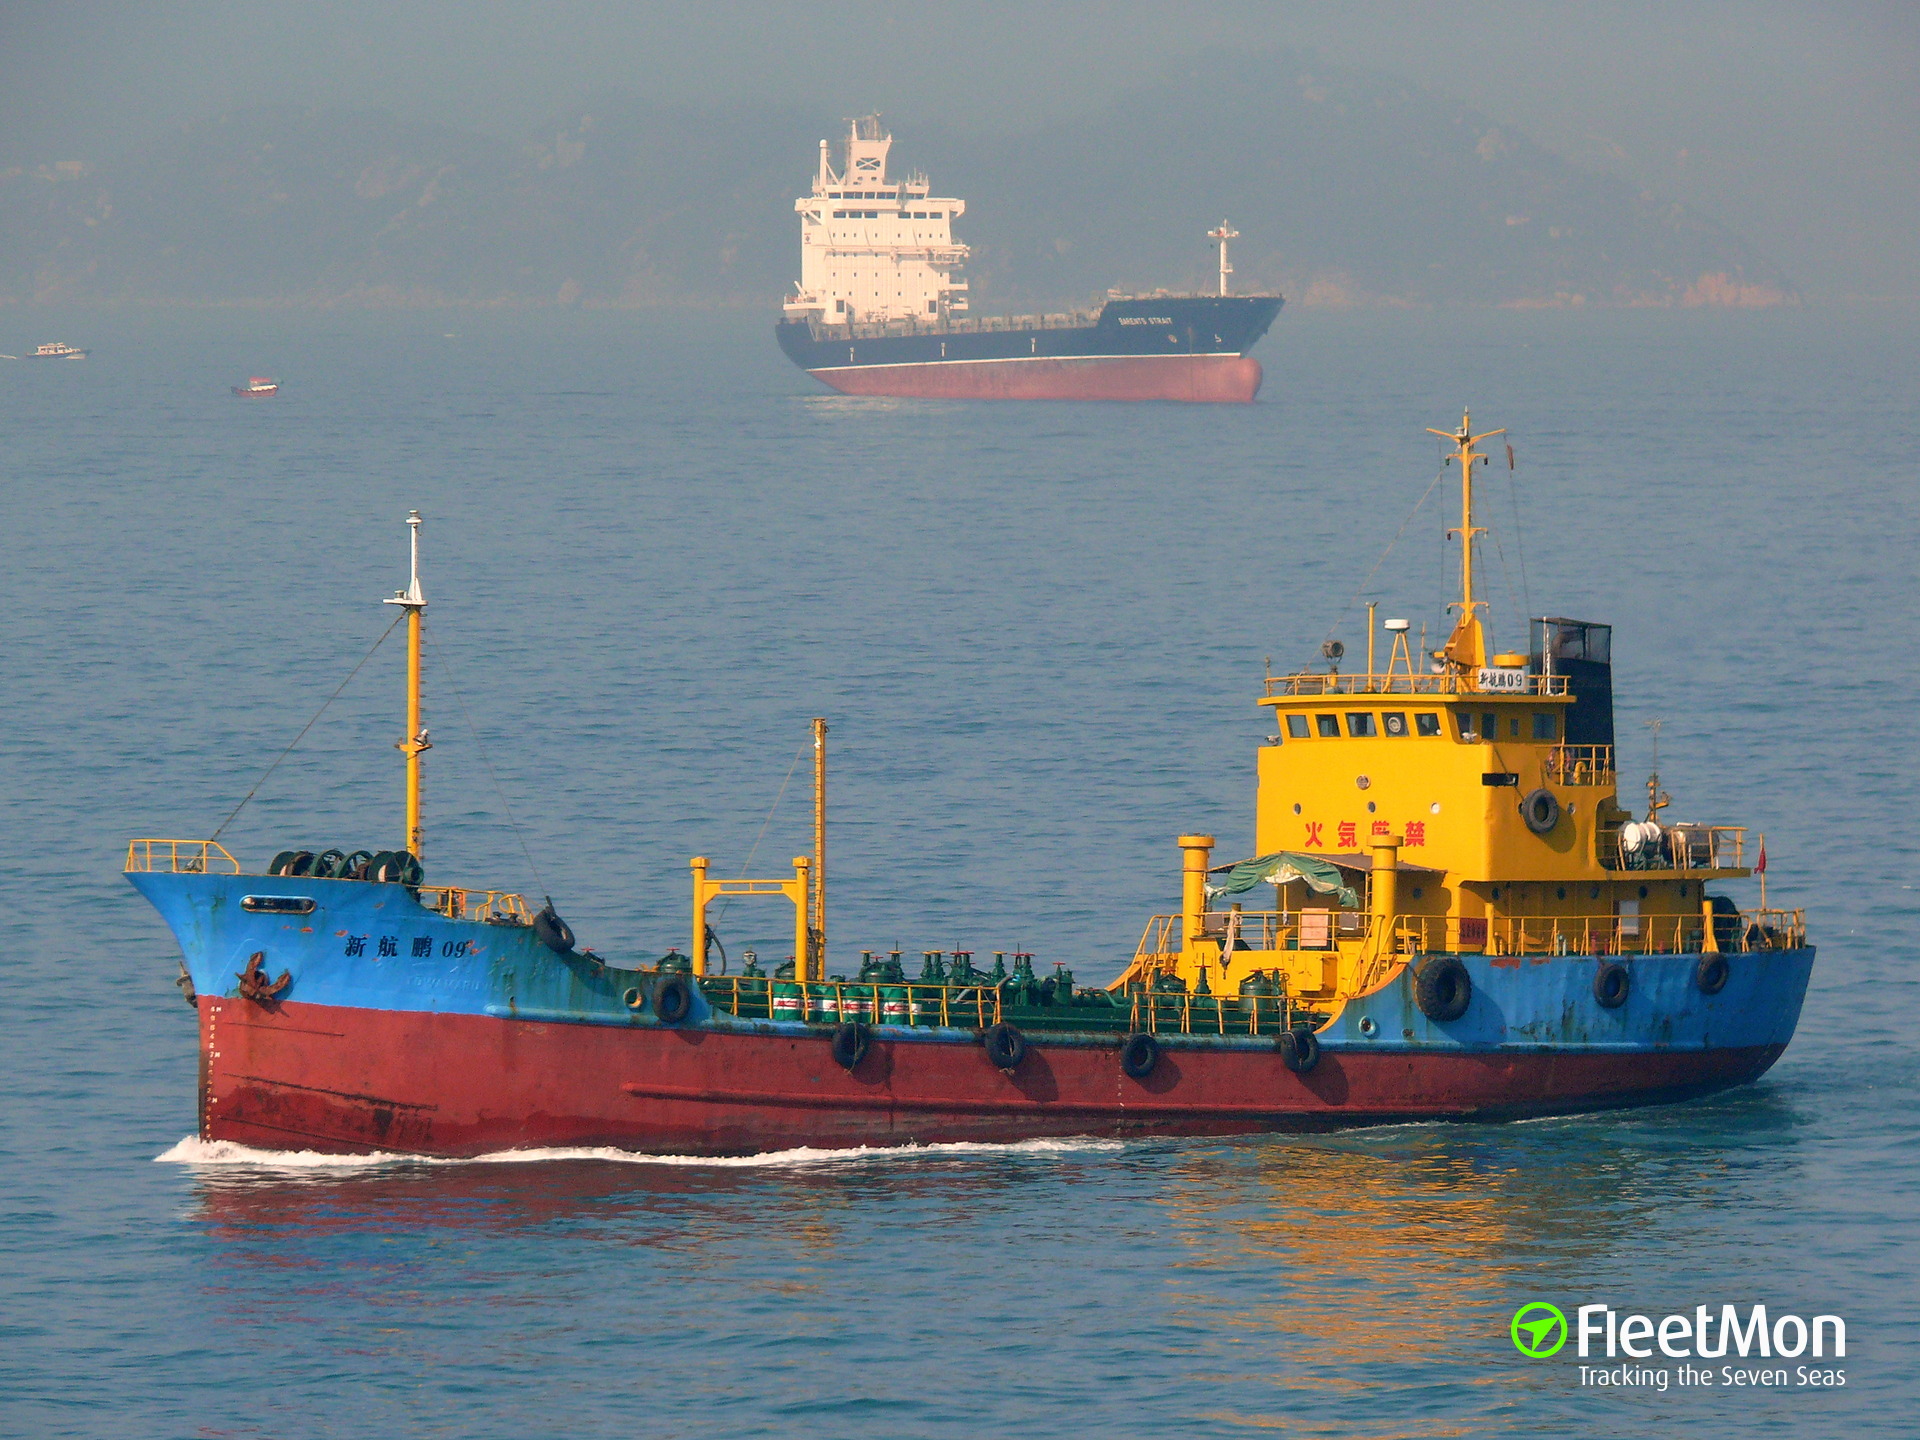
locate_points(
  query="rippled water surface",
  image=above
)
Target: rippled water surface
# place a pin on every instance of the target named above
(1037, 630)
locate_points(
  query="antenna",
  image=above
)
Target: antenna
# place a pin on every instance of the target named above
(414, 600)
(818, 921)
(1657, 799)
(1466, 648)
(1221, 237)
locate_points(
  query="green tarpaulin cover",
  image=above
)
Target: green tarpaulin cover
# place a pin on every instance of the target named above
(1278, 869)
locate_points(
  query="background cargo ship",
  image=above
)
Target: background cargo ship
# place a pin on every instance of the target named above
(877, 310)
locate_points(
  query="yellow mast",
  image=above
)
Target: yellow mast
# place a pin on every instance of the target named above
(1466, 648)
(818, 920)
(414, 600)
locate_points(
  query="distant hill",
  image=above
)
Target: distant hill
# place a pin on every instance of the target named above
(1347, 187)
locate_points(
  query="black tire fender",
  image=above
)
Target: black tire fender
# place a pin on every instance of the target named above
(1139, 1054)
(1006, 1046)
(672, 999)
(1612, 983)
(1442, 988)
(551, 931)
(1300, 1049)
(1710, 976)
(1541, 811)
(850, 1044)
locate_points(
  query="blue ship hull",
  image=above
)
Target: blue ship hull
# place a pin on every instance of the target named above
(401, 1029)
(1184, 348)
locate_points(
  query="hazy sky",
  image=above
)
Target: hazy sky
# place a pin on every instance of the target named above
(1798, 124)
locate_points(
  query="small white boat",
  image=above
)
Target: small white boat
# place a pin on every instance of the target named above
(258, 387)
(58, 350)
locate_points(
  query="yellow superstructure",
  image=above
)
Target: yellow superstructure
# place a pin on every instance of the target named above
(1466, 801)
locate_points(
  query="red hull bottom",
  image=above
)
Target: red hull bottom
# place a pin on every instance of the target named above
(313, 1077)
(1210, 378)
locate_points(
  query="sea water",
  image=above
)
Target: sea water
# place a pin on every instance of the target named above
(653, 552)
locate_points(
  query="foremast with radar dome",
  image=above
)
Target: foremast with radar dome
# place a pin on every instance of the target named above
(1464, 923)
(879, 308)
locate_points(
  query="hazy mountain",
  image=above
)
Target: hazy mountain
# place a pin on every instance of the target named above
(1347, 188)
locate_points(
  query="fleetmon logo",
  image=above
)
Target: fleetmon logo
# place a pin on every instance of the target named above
(1539, 1330)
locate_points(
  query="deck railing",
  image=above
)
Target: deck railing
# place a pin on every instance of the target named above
(829, 1002)
(209, 857)
(1579, 765)
(1314, 683)
(182, 857)
(1162, 1012)
(1318, 931)
(1681, 848)
(488, 907)
(975, 1007)
(1734, 931)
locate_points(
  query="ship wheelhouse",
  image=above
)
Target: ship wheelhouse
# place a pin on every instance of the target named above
(875, 250)
(1453, 803)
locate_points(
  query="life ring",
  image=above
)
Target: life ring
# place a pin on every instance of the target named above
(1300, 1049)
(1139, 1055)
(1611, 984)
(1710, 976)
(1006, 1046)
(1541, 811)
(850, 1044)
(551, 931)
(672, 999)
(1442, 988)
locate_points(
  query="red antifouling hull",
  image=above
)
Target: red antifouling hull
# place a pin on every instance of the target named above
(1210, 378)
(347, 1080)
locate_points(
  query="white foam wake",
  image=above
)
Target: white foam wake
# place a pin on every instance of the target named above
(192, 1150)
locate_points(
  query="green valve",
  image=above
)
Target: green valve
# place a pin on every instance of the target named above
(1023, 970)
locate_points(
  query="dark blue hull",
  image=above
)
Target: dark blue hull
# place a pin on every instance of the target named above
(1184, 348)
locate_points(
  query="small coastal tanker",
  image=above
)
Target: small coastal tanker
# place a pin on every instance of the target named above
(879, 310)
(1451, 916)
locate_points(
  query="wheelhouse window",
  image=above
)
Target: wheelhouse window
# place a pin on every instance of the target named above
(1297, 726)
(1329, 726)
(1394, 722)
(1360, 723)
(1426, 724)
(1546, 727)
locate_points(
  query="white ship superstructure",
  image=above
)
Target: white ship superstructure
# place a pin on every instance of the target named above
(875, 250)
